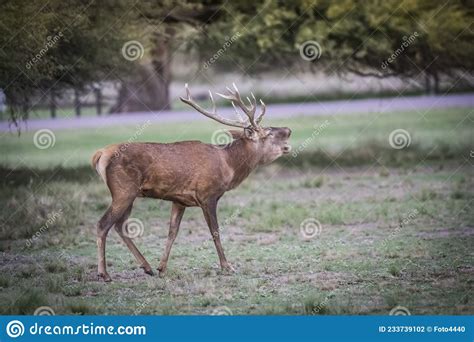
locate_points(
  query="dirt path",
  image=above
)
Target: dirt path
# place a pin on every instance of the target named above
(277, 111)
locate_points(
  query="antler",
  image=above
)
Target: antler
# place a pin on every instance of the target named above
(234, 97)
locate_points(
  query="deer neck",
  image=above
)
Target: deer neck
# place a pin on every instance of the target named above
(242, 158)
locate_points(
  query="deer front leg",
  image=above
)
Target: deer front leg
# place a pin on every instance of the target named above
(210, 214)
(177, 211)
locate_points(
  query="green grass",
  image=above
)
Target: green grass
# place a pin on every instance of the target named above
(396, 226)
(363, 261)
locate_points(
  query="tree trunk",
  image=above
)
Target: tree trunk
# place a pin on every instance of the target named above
(52, 103)
(77, 103)
(148, 88)
(161, 62)
(427, 84)
(98, 99)
(436, 89)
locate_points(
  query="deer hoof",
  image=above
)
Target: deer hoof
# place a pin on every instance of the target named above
(149, 271)
(161, 271)
(105, 277)
(228, 268)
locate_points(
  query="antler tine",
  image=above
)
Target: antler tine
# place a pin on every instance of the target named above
(238, 114)
(214, 108)
(249, 110)
(262, 113)
(212, 115)
(253, 105)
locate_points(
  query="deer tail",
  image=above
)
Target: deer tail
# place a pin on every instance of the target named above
(99, 162)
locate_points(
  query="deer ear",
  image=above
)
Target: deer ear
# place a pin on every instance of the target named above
(249, 133)
(236, 134)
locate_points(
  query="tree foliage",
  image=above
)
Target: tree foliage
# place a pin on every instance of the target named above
(57, 44)
(373, 37)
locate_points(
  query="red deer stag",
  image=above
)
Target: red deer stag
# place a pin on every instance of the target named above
(187, 173)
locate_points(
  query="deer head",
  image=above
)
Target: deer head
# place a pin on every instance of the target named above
(269, 143)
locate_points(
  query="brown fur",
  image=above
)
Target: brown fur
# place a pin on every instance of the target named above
(188, 173)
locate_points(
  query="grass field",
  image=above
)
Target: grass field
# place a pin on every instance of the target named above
(396, 225)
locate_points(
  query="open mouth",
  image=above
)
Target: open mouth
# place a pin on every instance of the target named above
(286, 149)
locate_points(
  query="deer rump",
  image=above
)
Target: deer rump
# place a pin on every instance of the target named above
(184, 172)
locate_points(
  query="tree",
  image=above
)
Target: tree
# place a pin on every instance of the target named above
(50, 46)
(164, 28)
(369, 38)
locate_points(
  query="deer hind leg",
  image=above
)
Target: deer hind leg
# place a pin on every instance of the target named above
(120, 227)
(210, 214)
(112, 215)
(177, 212)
